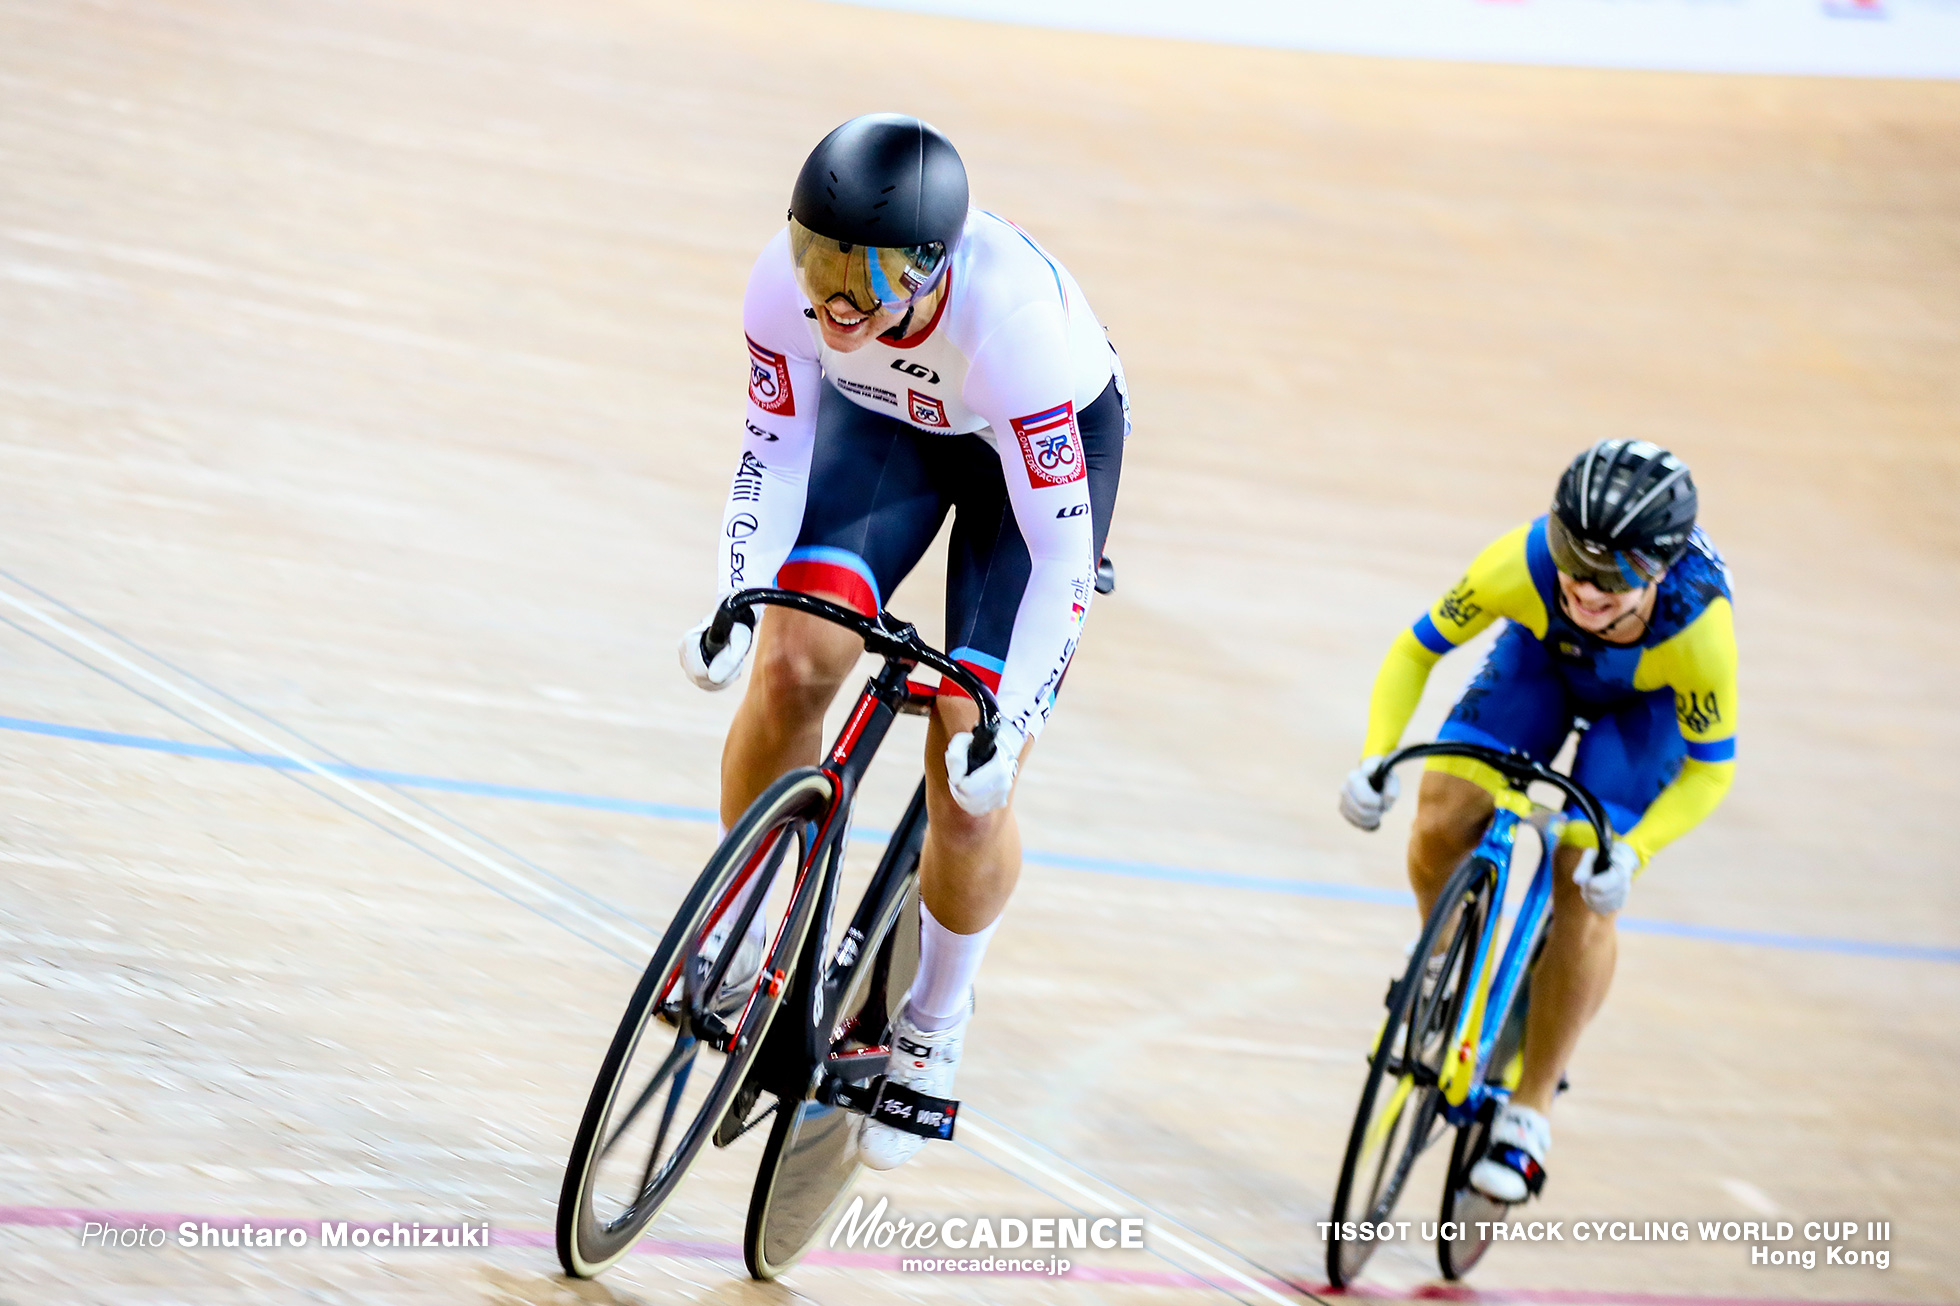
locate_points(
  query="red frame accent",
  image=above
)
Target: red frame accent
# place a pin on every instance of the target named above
(853, 729)
(846, 741)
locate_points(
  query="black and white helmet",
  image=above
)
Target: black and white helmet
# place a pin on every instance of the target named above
(1622, 515)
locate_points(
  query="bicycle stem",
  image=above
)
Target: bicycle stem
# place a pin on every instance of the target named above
(884, 636)
(1518, 767)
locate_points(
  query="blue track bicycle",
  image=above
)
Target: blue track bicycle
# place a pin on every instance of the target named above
(1450, 1050)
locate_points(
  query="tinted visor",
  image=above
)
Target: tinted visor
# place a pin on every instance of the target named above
(869, 277)
(1613, 570)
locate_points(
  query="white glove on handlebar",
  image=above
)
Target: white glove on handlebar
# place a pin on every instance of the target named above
(989, 788)
(1606, 891)
(1360, 804)
(727, 664)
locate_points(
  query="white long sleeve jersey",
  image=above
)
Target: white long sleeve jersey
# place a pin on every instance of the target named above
(1012, 355)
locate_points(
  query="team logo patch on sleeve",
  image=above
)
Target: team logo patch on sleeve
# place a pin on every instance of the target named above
(926, 410)
(1050, 446)
(769, 381)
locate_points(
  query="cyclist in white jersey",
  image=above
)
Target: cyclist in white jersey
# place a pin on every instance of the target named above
(910, 356)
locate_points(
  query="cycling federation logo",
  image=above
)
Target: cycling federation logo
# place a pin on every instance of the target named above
(1049, 446)
(926, 410)
(769, 382)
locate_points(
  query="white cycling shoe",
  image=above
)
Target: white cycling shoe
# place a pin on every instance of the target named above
(924, 1061)
(1513, 1165)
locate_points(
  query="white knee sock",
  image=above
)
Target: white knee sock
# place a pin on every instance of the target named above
(947, 964)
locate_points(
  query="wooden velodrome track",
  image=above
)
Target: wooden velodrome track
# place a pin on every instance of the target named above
(378, 366)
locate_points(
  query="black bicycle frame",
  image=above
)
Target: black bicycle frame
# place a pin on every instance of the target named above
(794, 1067)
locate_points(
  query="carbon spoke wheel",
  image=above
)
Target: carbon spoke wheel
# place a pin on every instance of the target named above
(691, 1030)
(1399, 1114)
(810, 1160)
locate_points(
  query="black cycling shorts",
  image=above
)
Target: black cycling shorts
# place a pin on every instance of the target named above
(878, 491)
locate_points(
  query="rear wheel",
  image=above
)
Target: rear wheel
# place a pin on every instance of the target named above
(1464, 1208)
(1399, 1114)
(658, 1099)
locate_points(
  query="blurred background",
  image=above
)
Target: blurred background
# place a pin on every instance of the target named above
(370, 378)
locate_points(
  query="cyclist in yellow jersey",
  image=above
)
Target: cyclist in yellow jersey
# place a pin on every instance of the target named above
(1619, 614)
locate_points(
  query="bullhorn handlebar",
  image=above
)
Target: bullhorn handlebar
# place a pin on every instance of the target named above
(1520, 769)
(884, 636)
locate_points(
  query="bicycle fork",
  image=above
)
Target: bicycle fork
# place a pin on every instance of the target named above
(1463, 1084)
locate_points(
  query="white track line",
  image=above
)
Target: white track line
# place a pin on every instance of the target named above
(421, 827)
(967, 1126)
(970, 1128)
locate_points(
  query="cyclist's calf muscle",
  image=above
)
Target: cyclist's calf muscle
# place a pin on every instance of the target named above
(1568, 985)
(970, 864)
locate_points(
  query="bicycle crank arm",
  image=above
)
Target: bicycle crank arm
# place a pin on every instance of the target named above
(904, 1109)
(856, 1067)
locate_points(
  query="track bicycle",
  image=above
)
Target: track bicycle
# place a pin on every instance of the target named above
(1448, 1054)
(805, 1041)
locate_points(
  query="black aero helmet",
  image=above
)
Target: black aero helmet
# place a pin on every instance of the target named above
(1622, 515)
(877, 211)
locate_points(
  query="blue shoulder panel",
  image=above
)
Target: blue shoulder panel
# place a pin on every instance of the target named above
(1544, 574)
(1719, 750)
(1696, 581)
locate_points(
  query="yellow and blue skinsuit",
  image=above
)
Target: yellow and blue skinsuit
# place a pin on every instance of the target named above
(1661, 751)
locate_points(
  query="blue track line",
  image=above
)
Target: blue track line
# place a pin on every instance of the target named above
(1064, 861)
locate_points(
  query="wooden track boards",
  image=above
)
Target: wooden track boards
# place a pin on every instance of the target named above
(379, 364)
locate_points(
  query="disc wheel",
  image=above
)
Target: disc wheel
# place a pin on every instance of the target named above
(680, 1055)
(1464, 1208)
(1398, 1117)
(810, 1160)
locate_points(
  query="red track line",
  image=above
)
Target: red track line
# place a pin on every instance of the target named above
(73, 1217)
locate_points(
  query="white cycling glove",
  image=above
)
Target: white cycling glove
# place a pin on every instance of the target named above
(1360, 804)
(989, 788)
(1606, 891)
(727, 664)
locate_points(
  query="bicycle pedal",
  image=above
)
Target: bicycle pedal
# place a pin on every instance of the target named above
(912, 1112)
(1564, 1085)
(711, 1029)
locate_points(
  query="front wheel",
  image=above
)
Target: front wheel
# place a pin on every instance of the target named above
(1399, 1115)
(810, 1161)
(654, 1104)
